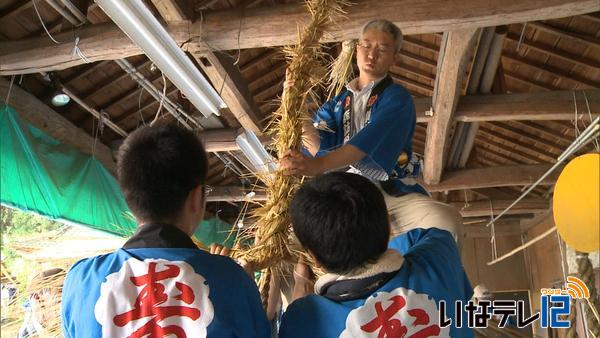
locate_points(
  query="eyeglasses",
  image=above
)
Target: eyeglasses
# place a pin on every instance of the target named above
(366, 46)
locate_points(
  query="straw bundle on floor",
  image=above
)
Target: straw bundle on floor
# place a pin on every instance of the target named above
(305, 68)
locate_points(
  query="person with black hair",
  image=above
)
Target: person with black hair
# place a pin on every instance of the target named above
(371, 289)
(159, 283)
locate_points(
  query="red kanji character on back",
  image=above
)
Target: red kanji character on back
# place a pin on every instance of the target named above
(389, 327)
(151, 296)
(393, 328)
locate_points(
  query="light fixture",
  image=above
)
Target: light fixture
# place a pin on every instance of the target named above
(143, 29)
(255, 152)
(60, 99)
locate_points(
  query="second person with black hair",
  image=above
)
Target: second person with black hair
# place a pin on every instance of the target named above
(370, 290)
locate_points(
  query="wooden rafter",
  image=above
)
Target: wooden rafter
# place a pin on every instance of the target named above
(232, 87)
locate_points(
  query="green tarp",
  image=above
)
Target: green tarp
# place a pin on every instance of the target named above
(42, 175)
(38, 173)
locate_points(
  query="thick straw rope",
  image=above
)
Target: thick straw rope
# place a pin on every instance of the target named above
(305, 67)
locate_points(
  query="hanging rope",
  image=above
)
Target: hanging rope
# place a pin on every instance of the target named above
(265, 285)
(305, 67)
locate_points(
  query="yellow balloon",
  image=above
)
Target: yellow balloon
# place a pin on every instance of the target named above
(576, 204)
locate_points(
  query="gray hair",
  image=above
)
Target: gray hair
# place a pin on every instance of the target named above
(385, 26)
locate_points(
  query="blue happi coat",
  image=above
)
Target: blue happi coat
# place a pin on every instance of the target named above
(407, 305)
(171, 289)
(386, 138)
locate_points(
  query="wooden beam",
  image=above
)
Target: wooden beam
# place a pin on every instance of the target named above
(244, 28)
(169, 10)
(457, 47)
(462, 179)
(232, 87)
(52, 123)
(97, 42)
(555, 105)
(485, 208)
(503, 176)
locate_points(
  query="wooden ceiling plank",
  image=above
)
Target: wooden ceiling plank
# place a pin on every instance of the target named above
(547, 132)
(398, 68)
(413, 83)
(268, 55)
(542, 154)
(529, 82)
(552, 51)
(566, 34)
(486, 140)
(529, 136)
(551, 70)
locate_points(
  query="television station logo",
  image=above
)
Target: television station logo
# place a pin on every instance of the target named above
(554, 309)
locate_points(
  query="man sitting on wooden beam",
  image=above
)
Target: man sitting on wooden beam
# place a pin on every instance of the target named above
(368, 130)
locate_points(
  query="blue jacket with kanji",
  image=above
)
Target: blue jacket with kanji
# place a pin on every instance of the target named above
(153, 289)
(425, 269)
